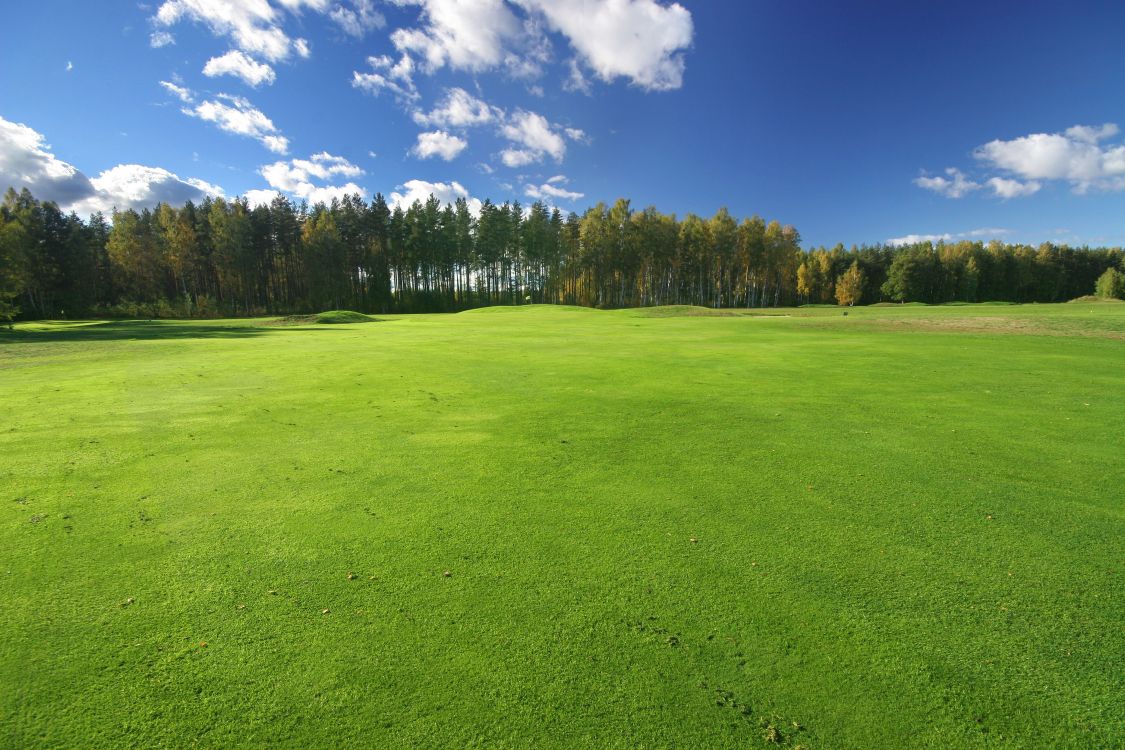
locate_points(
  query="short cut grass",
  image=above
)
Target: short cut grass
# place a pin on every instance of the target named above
(558, 527)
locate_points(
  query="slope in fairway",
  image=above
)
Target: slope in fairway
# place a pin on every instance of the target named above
(557, 527)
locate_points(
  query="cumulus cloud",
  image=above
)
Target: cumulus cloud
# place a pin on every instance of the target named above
(552, 190)
(233, 114)
(329, 193)
(135, 186)
(458, 109)
(254, 26)
(640, 40)
(913, 239)
(1077, 156)
(1005, 188)
(260, 197)
(470, 35)
(519, 157)
(26, 161)
(358, 18)
(158, 39)
(438, 143)
(954, 185)
(388, 75)
(420, 190)
(467, 35)
(235, 63)
(577, 134)
(533, 137)
(643, 41)
(296, 177)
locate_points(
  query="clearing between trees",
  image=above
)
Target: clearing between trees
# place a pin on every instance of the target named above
(562, 527)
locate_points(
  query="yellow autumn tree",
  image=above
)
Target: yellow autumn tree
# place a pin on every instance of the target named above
(849, 287)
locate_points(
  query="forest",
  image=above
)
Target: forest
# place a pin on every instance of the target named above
(227, 258)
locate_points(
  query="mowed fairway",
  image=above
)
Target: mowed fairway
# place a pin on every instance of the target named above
(902, 528)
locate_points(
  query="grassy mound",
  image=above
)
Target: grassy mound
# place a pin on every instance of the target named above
(679, 311)
(1094, 298)
(502, 309)
(342, 316)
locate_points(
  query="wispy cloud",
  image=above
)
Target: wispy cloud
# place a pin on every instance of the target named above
(972, 234)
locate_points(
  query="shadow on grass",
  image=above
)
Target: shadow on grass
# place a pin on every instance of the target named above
(126, 330)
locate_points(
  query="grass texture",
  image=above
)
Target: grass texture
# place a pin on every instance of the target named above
(557, 527)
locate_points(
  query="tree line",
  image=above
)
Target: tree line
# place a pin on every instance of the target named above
(225, 257)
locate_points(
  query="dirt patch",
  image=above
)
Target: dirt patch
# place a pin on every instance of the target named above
(998, 324)
(290, 320)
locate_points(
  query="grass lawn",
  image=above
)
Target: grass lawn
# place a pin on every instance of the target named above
(555, 527)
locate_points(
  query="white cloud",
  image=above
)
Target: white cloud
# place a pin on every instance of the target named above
(517, 157)
(260, 197)
(990, 232)
(421, 190)
(26, 161)
(576, 81)
(234, 114)
(913, 239)
(136, 186)
(469, 35)
(577, 134)
(1076, 156)
(1005, 188)
(254, 26)
(69, 66)
(641, 40)
(464, 34)
(160, 39)
(551, 190)
(358, 19)
(458, 109)
(956, 185)
(296, 177)
(438, 143)
(1090, 134)
(327, 193)
(181, 93)
(235, 63)
(535, 135)
(397, 78)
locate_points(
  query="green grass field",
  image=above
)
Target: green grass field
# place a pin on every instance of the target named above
(903, 528)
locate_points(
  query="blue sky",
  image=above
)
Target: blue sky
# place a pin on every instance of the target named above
(857, 124)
